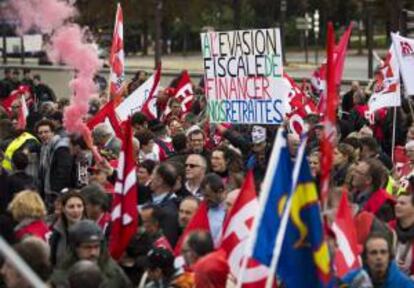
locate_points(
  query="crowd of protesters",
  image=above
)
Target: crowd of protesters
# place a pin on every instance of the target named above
(55, 200)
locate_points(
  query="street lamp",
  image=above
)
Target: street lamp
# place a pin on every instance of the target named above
(316, 33)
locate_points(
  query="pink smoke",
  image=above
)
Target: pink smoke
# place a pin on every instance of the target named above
(43, 15)
(68, 45)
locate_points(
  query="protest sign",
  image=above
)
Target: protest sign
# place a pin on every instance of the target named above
(243, 73)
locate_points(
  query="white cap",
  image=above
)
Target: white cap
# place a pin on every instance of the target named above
(258, 134)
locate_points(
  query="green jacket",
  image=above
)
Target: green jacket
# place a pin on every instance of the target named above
(114, 276)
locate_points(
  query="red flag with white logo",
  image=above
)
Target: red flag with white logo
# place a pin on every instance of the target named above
(301, 105)
(124, 213)
(117, 58)
(387, 83)
(183, 93)
(347, 252)
(106, 115)
(236, 232)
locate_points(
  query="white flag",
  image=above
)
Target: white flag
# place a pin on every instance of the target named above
(404, 48)
(387, 84)
(135, 101)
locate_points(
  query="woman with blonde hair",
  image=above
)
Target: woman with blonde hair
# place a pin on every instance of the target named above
(29, 211)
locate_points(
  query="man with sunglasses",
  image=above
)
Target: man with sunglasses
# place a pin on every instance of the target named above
(195, 170)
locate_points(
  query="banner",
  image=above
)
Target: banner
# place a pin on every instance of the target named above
(243, 76)
(387, 84)
(135, 101)
(404, 49)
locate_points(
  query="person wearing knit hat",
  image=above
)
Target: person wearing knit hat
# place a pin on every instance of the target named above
(86, 243)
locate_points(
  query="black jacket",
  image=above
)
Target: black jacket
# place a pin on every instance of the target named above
(169, 219)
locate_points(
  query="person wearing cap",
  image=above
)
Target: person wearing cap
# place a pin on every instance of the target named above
(86, 243)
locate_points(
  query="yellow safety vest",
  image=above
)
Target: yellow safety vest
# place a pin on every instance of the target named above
(13, 147)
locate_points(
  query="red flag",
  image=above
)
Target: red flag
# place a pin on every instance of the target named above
(329, 117)
(348, 250)
(183, 93)
(236, 232)
(106, 114)
(198, 222)
(22, 90)
(301, 105)
(149, 108)
(318, 80)
(124, 206)
(401, 162)
(340, 54)
(319, 77)
(23, 113)
(117, 59)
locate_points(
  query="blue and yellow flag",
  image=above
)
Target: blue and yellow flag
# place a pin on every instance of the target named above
(304, 259)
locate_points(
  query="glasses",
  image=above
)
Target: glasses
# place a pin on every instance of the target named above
(192, 165)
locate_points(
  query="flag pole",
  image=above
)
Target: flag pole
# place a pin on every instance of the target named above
(393, 133)
(20, 265)
(263, 198)
(286, 213)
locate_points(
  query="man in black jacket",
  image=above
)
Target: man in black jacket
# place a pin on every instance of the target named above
(56, 162)
(162, 182)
